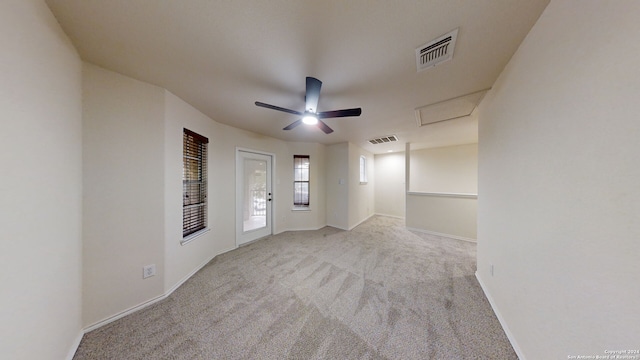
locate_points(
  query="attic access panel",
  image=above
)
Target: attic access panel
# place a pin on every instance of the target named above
(449, 109)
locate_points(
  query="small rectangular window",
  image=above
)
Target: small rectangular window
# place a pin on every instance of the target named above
(301, 180)
(194, 183)
(363, 169)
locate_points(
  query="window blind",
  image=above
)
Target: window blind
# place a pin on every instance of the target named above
(194, 183)
(301, 180)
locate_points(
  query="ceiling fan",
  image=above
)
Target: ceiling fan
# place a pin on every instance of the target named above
(311, 116)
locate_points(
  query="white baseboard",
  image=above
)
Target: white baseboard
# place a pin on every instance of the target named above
(124, 313)
(147, 303)
(189, 275)
(75, 345)
(444, 235)
(303, 229)
(361, 221)
(336, 226)
(391, 216)
(503, 323)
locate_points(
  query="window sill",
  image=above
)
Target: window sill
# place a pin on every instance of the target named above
(301, 208)
(364, 182)
(189, 238)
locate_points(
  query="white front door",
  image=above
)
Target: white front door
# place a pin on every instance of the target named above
(253, 196)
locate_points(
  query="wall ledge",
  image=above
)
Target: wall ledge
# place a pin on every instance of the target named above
(443, 194)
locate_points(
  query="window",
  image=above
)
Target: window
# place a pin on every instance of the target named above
(363, 169)
(301, 180)
(194, 183)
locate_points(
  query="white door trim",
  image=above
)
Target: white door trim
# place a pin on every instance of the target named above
(240, 239)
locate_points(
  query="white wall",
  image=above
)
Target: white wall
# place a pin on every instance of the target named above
(361, 196)
(40, 185)
(337, 185)
(437, 176)
(389, 184)
(315, 217)
(449, 169)
(180, 260)
(223, 145)
(123, 162)
(133, 193)
(450, 216)
(558, 181)
(348, 202)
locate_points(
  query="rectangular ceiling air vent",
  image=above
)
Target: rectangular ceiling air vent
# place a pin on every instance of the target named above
(383, 139)
(436, 51)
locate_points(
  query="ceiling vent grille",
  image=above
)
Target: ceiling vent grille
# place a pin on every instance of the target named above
(436, 51)
(383, 139)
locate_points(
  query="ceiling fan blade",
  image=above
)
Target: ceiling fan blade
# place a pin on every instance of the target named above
(324, 127)
(340, 113)
(273, 107)
(292, 125)
(312, 95)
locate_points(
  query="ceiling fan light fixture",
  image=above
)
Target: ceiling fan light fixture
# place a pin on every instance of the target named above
(310, 116)
(310, 119)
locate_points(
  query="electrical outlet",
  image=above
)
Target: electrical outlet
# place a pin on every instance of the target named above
(148, 271)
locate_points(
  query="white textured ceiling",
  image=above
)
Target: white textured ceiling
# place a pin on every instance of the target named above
(222, 56)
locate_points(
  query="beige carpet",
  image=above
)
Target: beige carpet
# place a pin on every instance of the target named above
(376, 292)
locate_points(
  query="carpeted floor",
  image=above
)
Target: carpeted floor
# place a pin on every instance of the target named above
(376, 292)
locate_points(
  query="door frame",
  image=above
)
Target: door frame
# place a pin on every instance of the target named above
(240, 194)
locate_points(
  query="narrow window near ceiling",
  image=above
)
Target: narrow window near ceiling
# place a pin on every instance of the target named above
(363, 169)
(301, 181)
(194, 184)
